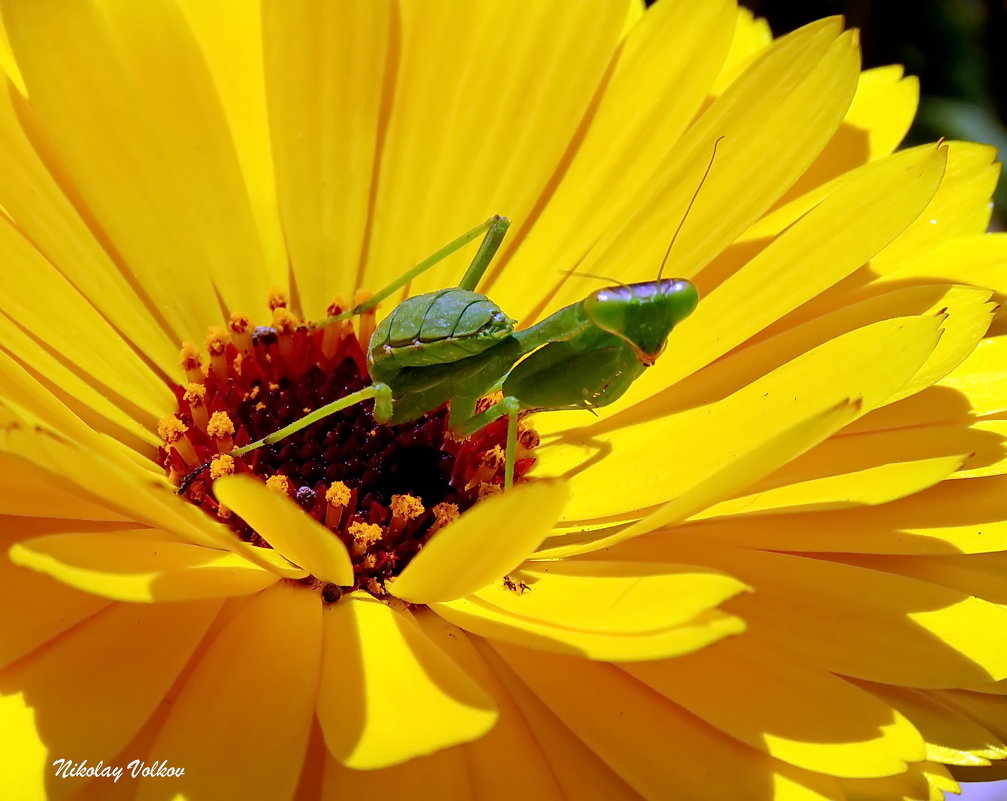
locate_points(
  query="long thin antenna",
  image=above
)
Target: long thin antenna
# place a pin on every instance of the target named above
(593, 275)
(688, 208)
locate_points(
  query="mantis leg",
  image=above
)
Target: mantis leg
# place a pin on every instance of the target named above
(509, 406)
(381, 393)
(494, 229)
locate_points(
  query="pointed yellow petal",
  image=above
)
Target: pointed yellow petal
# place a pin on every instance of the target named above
(847, 228)
(624, 720)
(487, 620)
(115, 667)
(881, 626)
(709, 484)
(249, 701)
(951, 737)
(285, 526)
(878, 118)
(45, 609)
(482, 545)
(871, 486)
(579, 770)
(789, 102)
(36, 202)
(851, 733)
(869, 363)
(231, 35)
(954, 517)
(503, 76)
(388, 693)
(612, 597)
(527, 766)
(327, 71)
(661, 77)
(31, 491)
(132, 566)
(439, 777)
(86, 64)
(921, 782)
(751, 37)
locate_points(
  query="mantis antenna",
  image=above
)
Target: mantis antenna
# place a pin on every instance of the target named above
(593, 275)
(688, 208)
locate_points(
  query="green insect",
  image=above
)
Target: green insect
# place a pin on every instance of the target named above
(456, 346)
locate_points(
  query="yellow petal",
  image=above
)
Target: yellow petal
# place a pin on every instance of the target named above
(230, 34)
(132, 566)
(789, 102)
(846, 229)
(36, 202)
(751, 37)
(39, 299)
(85, 65)
(923, 781)
(503, 75)
(625, 719)
(74, 683)
(789, 339)
(493, 778)
(249, 701)
(981, 442)
(327, 72)
(388, 693)
(871, 486)
(578, 769)
(439, 777)
(487, 620)
(953, 517)
(612, 597)
(482, 545)
(661, 76)
(285, 526)
(878, 118)
(851, 733)
(32, 491)
(961, 206)
(708, 485)
(951, 737)
(881, 626)
(45, 609)
(870, 363)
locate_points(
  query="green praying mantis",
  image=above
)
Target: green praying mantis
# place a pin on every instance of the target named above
(455, 346)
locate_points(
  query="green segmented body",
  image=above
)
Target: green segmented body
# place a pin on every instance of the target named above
(435, 328)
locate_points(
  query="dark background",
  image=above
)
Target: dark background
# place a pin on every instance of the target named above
(957, 48)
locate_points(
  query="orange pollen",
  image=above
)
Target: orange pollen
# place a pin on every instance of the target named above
(338, 494)
(171, 429)
(195, 394)
(220, 425)
(222, 465)
(406, 507)
(382, 490)
(279, 484)
(277, 299)
(217, 341)
(189, 357)
(238, 323)
(338, 306)
(283, 321)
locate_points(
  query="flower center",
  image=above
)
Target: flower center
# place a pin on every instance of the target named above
(383, 490)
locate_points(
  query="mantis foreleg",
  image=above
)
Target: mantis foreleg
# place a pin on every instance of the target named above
(509, 406)
(494, 228)
(381, 393)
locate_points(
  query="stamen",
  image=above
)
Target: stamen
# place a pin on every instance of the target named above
(383, 490)
(221, 429)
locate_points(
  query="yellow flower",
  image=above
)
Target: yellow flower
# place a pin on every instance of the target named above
(773, 570)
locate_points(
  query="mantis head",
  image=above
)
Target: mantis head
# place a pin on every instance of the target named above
(642, 315)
